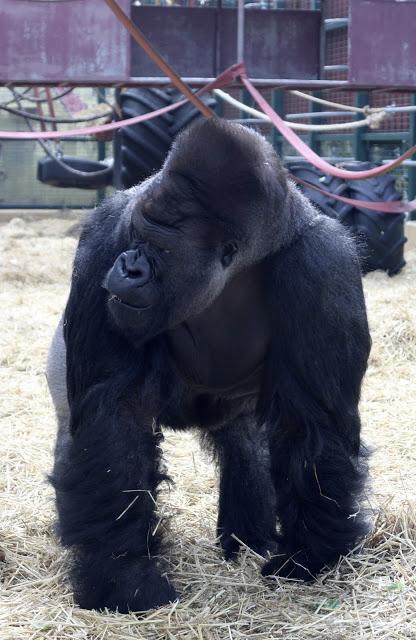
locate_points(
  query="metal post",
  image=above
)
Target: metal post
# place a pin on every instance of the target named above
(359, 146)
(278, 103)
(240, 31)
(245, 98)
(101, 150)
(411, 171)
(314, 142)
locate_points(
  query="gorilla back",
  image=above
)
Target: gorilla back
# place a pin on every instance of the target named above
(214, 297)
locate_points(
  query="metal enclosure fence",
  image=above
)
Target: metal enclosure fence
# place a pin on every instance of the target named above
(19, 187)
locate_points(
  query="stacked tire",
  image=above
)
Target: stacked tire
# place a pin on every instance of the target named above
(140, 150)
(379, 236)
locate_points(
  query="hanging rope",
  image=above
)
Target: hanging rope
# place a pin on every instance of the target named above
(372, 120)
(307, 152)
(336, 105)
(43, 118)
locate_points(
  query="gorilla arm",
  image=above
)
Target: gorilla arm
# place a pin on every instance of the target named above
(310, 400)
(105, 500)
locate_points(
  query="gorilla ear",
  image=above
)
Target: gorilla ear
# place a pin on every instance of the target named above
(229, 251)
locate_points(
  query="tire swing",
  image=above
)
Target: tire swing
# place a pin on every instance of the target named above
(140, 149)
(380, 236)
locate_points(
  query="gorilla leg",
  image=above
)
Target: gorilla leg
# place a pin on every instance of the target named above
(247, 499)
(106, 486)
(318, 359)
(318, 483)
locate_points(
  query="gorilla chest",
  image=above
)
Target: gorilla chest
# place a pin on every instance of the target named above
(223, 349)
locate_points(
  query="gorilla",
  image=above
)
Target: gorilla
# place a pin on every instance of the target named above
(212, 296)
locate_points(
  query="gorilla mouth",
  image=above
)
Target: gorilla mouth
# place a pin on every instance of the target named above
(116, 300)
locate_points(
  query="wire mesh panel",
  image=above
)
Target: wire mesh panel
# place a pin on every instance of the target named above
(19, 186)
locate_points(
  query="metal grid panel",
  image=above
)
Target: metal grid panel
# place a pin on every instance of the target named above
(19, 186)
(400, 121)
(335, 8)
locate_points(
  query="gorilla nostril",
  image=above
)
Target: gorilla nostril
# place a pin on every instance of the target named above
(135, 267)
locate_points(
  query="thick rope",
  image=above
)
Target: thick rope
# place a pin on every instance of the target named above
(336, 105)
(372, 120)
(309, 154)
(225, 78)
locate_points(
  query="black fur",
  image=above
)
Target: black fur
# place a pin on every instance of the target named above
(252, 329)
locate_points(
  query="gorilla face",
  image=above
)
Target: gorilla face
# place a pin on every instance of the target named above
(194, 226)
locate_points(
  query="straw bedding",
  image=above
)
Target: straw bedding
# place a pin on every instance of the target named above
(369, 595)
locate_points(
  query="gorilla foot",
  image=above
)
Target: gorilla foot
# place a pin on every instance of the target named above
(138, 586)
(231, 546)
(295, 566)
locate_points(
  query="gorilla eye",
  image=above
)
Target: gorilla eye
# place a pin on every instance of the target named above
(228, 254)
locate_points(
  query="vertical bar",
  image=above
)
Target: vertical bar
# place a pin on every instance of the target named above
(359, 146)
(245, 98)
(240, 31)
(217, 50)
(411, 171)
(101, 150)
(278, 103)
(314, 143)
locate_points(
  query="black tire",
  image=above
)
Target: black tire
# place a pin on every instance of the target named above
(140, 150)
(379, 236)
(185, 115)
(307, 172)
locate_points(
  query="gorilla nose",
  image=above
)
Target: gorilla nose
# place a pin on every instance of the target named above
(136, 266)
(130, 271)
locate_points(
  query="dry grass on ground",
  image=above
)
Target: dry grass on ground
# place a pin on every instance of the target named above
(369, 595)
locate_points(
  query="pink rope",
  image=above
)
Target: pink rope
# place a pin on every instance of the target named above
(307, 152)
(396, 206)
(223, 79)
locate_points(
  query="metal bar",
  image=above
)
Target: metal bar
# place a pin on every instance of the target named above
(277, 83)
(101, 147)
(245, 98)
(410, 109)
(29, 207)
(240, 31)
(327, 137)
(388, 136)
(380, 136)
(336, 67)
(327, 158)
(248, 120)
(318, 114)
(406, 163)
(411, 172)
(330, 24)
(157, 81)
(278, 104)
(359, 145)
(314, 143)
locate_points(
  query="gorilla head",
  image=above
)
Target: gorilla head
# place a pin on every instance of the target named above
(196, 224)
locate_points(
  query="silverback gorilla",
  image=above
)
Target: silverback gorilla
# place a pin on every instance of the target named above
(214, 297)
